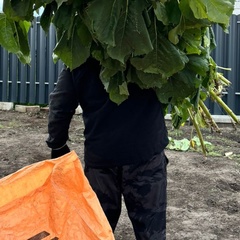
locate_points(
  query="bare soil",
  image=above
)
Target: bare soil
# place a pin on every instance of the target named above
(203, 192)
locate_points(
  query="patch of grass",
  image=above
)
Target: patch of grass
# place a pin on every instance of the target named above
(175, 133)
(238, 159)
(214, 154)
(13, 124)
(10, 124)
(221, 146)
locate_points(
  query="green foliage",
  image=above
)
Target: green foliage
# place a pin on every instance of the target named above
(159, 44)
(178, 145)
(184, 144)
(14, 37)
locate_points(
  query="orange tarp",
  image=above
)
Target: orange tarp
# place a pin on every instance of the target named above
(51, 199)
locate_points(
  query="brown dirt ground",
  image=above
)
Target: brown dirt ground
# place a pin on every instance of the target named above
(203, 192)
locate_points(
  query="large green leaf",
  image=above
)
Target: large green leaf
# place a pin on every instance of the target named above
(103, 16)
(198, 64)
(46, 17)
(13, 37)
(173, 11)
(161, 13)
(168, 12)
(18, 9)
(63, 20)
(7, 39)
(165, 59)
(21, 34)
(74, 50)
(113, 78)
(177, 88)
(131, 35)
(217, 11)
(116, 86)
(110, 67)
(150, 80)
(191, 41)
(144, 80)
(190, 20)
(176, 32)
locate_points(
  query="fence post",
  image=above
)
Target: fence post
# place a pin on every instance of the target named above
(5, 93)
(13, 77)
(42, 65)
(32, 69)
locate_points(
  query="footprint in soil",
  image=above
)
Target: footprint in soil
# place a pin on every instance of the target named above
(230, 206)
(225, 186)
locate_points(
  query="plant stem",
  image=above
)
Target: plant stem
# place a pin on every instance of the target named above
(208, 115)
(224, 106)
(228, 69)
(199, 133)
(223, 79)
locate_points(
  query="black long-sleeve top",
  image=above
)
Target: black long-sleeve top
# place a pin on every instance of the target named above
(115, 135)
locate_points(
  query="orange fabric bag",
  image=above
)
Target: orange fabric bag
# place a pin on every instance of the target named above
(53, 200)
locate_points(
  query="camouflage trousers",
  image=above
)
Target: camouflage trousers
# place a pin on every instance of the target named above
(143, 188)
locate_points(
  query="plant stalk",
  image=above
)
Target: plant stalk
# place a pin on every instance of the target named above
(228, 69)
(223, 79)
(199, 133)
(224, 106)
(208, 115)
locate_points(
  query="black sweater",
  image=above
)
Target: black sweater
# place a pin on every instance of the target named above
(115, 135)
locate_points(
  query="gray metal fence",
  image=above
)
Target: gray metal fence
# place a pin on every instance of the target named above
(21, 83)
(227, 54)
(24, 84)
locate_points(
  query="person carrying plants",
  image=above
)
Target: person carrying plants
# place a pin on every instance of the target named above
(123, 149)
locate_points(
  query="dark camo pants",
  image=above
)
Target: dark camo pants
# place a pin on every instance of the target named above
(143, 187)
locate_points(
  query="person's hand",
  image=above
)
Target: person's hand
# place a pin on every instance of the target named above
(59, 152)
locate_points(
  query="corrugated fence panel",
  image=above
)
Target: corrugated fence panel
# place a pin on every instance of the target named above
(21, 83)
(4, 70)
(32, 72)
(24, 84)
(42, 66)
(13, 76)
(227, 55)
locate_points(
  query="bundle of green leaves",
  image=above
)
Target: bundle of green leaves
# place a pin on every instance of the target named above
(161, 44)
